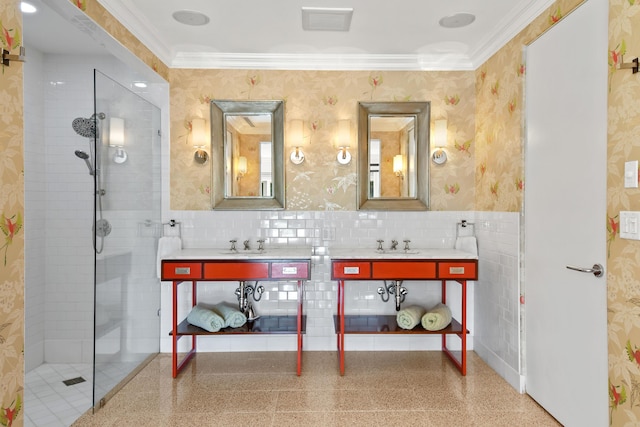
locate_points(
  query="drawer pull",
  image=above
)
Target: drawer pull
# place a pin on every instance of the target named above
(183, 270)
(456, 270)
(290, 270)
(351, 270)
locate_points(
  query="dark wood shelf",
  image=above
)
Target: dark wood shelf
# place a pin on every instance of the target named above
(386, 324)
(262, 325)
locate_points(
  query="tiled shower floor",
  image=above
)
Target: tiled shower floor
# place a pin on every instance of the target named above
(49, 402)
(262, 389)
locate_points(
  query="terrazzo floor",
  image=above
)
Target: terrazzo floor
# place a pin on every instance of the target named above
(262, 389)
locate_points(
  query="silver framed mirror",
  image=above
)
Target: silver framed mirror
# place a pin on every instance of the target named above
(247, 146)
(393, 156)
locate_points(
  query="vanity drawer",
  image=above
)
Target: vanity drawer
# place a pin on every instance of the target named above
(181, 270)
(350, 270)
(458, 270)
(290, 270)
(404, 270)
(236, 270)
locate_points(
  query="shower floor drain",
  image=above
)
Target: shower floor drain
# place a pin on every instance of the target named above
(74, 381)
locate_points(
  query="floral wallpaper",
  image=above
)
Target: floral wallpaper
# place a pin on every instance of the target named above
(103, 18)
(484, 112)
(321, 99)
(623, 279)
(11, 213)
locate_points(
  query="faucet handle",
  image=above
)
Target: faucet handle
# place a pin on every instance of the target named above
(380, 241)
(233, 244)
(261, 244)
(406, 244)
(246, 245)
(394, 244)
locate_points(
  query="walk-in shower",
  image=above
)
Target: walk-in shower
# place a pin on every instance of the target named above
(88, 315)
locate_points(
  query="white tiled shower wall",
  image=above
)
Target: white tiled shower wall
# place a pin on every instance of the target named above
(58, 206)
(493, 322)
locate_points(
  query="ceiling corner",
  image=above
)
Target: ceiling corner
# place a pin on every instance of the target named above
(140, 27)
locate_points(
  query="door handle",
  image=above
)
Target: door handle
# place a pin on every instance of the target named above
(597, 269)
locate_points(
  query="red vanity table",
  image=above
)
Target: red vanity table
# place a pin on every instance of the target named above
(421, 264)
(219, 265)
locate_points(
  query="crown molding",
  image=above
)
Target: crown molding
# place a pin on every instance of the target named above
(140, 27)
(337, 62)
(509, 28)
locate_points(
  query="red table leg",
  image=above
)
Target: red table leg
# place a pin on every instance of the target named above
(300, 290)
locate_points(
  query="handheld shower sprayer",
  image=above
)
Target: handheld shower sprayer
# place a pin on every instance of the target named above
(84, 156)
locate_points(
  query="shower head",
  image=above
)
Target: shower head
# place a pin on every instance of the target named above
(84, 156)
(87, 127)
(84, 127)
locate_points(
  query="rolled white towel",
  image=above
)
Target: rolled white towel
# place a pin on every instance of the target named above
(206, 319)
(232, 316)
(409, 317)
(167, 245)
(436, 318)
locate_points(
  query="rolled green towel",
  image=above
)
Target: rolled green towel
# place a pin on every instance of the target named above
(409, 317)
(437, 318)
(232, 316)
(206, 319)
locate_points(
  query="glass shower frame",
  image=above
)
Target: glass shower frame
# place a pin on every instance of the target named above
(127, 224)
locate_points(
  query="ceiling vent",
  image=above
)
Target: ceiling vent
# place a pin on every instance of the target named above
(326, 18)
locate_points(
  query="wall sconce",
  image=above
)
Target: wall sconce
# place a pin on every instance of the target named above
(344, 139)
(116, 139)
(199, 140)
(296, 130)
(439, 156)
(242, 167)
(398, 165)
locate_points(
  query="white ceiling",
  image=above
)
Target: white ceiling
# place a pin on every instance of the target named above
(263, 34)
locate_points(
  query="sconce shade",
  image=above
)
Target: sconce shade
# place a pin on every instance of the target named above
(344, 133)
(440, 133)
(242, 165)
(397, 164)
(116, 132)
(198, 133)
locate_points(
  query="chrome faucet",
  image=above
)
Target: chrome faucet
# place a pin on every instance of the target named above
(380, 242)
(261, 244)
(233, 245)
(406, 244)
(246, 245)
(394, 245)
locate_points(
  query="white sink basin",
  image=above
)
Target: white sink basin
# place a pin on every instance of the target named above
(222, 254)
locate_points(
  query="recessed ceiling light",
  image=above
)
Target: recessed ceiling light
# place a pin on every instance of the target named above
(27, 7)
(457, 20)
(140, 84)
(190, 17)
(326, 18)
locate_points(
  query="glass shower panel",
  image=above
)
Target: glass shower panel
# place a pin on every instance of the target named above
(128, 224)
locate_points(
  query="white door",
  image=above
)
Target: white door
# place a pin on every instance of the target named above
(565, 217)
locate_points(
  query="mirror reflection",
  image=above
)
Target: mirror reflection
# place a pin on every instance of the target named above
(392, 157)
(249, 158)
(393, 147)
(247, 154)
